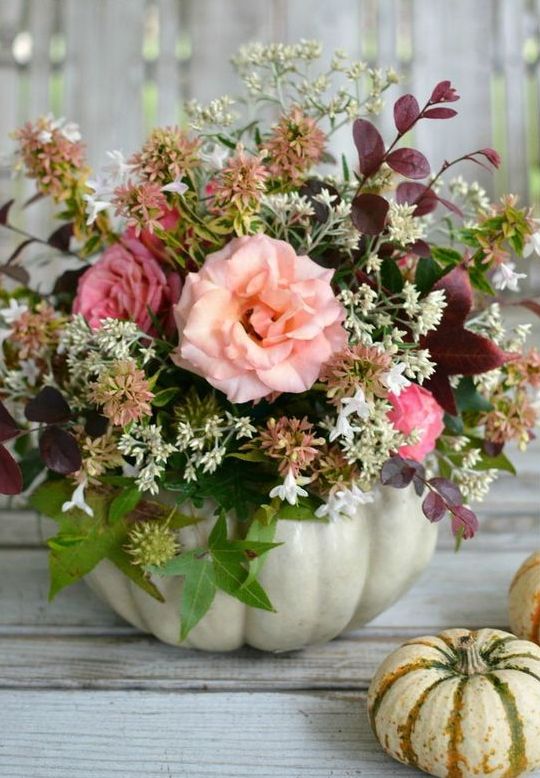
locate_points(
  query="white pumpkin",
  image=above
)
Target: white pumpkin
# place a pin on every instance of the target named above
(460, 705)
(524, 600)
(326, 578)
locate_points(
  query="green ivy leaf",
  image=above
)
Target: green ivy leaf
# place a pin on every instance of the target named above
(198, 593)
(164, 396)
(124, 503)
(446, 255)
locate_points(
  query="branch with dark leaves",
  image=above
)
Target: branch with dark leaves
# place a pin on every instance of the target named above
(58, 447)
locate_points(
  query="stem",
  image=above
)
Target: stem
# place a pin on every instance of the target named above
(33, 238)
(469, 660)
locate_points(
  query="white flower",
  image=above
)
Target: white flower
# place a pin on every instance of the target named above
(356, 404)
(117, 169)
(71, 132)
(214, 155)
(45, 136)
(344, 502)
(29, 370)
(78, 501)
(176, 186)
(13, 312)
(100, 199)
(533, 244)
(505, 277)
(341, 429)
(394, 378)
(289, 490)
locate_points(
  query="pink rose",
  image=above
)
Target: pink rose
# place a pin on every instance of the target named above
(258, 319)
(124, 282)
(416, 409)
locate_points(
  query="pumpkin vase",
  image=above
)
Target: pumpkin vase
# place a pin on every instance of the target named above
(460, 705)
(524, 600)
(325, 578)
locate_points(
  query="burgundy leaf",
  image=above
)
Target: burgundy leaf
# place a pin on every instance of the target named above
(425, 199)
(492, 448)
(68, 282)
(34, 199)
(14, 254)
(11, 481)
(531, 305)
(491, 155)
(419, 484)
(369, 213)
(48, 406)
(448, 490)
(96, 424)
(406, 112)
(398, 472)
(4, 212)
(444, 92)
(59, 451)
(8, 425)
(433, 506)
(409, 162)
(370, 146)
(60, 238)
(16, 273)
(454, 349)
(313, 187)
(420, 248)
(439, 113)
(451, 206)
(464, 521)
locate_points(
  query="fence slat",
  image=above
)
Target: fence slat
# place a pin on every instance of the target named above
(168, 67)
(105, 72)
(511, 37)
(453, 41)
(39, 72)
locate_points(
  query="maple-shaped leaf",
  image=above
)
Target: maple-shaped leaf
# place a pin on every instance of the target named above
(455, 349)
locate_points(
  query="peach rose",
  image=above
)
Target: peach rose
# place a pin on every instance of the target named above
(258, 319)
(416, 409)
(124, 283)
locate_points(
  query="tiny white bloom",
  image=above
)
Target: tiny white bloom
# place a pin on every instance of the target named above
(394, 378)
(342, 428)
(78, 501)
(533, 244)
(344, 502)
(505, 277)
(356, 404)
(176, 186)
(29, 370)
(71, 132)
(45, 136)
(13, 312)
(214, 155)
(117, 169)
(289, 490)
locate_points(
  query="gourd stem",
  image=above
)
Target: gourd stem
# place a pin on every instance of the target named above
(469, 660)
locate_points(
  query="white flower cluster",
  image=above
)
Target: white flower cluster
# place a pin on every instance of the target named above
(150, 452)
(89, 353)
(425, 313)
(403, 227)
(472, 195)
(206, 444)
(344, 502)
(217, 113)
(283, 54)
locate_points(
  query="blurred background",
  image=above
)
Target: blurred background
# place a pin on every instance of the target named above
(118, 67)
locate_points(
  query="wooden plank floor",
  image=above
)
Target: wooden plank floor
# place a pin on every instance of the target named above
(83, 694)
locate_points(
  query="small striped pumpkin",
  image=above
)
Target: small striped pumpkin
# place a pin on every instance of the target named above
(460, 705)
(524, 600)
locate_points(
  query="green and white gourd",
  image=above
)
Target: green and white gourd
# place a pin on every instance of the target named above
(460, 705)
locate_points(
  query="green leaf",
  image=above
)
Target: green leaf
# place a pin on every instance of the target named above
(124, 563)
(232, 577)
(181, 564)
(198, 593)
(124, 503)
(252, 593)
(164, 396)
(500, 462)
(445, 255)
(218, 536)
(428, 272)
(391, 277)
(453, 424)
(468, 398)
(260, 531)
(304, 510)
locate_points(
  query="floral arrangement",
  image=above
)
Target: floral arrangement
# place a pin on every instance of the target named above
(257, 326)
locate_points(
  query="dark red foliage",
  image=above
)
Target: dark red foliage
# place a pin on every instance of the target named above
(464, 522)
(399, 472)
(369, 213)
(59, 450)
(444, 92)
(420, 248)
(8, 425)
(454, 349)
(439, 113)
(447, 489)
(370, 146)
(11, 481)
(48, 407)
(409, 163)
(420, 195)
(4, 211)
(433, 506)
(406, 112)
(60, 238)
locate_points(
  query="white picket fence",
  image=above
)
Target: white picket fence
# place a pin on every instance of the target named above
(119, 66)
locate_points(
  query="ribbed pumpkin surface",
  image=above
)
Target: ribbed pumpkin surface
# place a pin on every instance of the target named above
(460, 705)
(524, 600)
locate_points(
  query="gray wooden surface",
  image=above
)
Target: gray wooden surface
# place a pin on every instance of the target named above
(82, 694)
